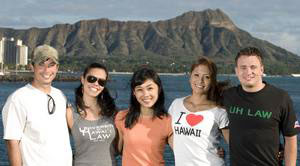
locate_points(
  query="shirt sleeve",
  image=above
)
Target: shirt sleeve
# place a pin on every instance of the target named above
(169, 126)
(66, 99)
(170, 110)
(14, 119)
(288, 118)
(75, 115)
(223, 121)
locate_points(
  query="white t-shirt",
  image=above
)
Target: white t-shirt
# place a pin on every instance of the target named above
(44, 138)
(196, 135)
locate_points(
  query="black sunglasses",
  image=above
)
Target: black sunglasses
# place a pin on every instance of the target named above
(93, 79)
(51, 105)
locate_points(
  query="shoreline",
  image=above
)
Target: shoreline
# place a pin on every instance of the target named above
(26, 76)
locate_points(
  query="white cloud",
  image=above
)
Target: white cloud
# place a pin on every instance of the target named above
(289, 41)
(285, 40)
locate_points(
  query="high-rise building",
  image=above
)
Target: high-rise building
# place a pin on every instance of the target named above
(13, 52)
(22, 55)
(10, 56)
(1, 50)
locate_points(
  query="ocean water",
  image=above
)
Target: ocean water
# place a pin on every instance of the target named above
(174, 87)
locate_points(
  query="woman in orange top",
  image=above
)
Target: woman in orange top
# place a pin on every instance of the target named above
(145, 128)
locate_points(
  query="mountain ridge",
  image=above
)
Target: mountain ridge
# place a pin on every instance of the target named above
(208, 33)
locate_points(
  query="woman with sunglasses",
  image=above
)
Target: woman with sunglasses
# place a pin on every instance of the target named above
(198, 121)
(145, 128)
(92, 125)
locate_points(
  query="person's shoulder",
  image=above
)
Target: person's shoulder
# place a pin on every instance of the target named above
(175, 104)
(180, 99)
(70, 111)
(164, 118)
(27, 87)
(275, 91)
(73, 109)
(273, 88)
(231, 90)
(167, 117)
(56, 90)
(121, 114)
(75, 115)
(120, 118)
(20, 92)
(219, 109)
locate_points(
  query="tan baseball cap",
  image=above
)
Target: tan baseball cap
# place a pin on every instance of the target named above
(44, 52)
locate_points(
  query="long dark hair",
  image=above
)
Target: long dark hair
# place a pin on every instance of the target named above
(104, 99)
(216, 89)
(138, 78)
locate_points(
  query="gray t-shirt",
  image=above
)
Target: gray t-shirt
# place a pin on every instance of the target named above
(94, 141)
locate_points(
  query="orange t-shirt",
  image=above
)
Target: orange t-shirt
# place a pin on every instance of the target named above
(145, 142)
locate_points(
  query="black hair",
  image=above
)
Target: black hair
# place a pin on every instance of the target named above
(138, 78)
(104, 99)
(216, 88)
(249, 51)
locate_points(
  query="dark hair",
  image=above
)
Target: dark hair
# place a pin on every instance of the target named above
(216, 88)
(104, 99)
(138, 78)
(249, 51)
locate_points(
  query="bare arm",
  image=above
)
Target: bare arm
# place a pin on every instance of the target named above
(170, 141)
(69, 116)
(120, 142)
(290, 150)
(225, 133)
(14, 153)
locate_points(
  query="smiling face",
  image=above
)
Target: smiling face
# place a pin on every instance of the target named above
(200, 79)
(93, 88)
(146, 93)
(249, 71)
(44, 73)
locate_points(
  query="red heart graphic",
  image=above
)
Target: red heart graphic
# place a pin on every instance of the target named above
(194, 119)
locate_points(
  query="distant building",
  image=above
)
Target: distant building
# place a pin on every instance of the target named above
(22, 55)
(1, 51)
(13, 52)
(9, 51)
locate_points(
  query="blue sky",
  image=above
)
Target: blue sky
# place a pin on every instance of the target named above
(276, 21)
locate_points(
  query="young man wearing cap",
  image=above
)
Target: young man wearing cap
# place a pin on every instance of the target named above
(258, 112)
(35, 127)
